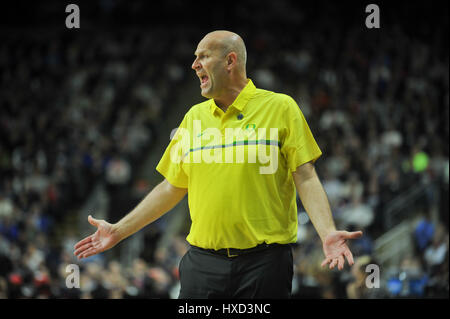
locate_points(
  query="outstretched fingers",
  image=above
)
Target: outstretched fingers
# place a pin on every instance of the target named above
(83, 242)
(333, 263)
(325, 262)
(348, 254)
(89, 252)
(341, 262)
(83, 248)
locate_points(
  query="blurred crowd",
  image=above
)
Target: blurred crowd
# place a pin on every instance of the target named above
(75, 110)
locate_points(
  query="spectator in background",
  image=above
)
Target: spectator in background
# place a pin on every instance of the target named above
(437, 251)
(118, 178)
(422, 236)
(438, 284)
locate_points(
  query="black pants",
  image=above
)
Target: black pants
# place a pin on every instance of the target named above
(263, 274)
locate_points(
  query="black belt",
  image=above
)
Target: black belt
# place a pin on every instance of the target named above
(233, 252)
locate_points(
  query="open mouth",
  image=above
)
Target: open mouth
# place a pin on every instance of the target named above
(203, 79)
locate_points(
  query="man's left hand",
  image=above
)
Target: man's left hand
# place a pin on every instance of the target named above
(335, 248)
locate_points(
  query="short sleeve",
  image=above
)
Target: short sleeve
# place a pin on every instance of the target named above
(171, 163)
(299, 145)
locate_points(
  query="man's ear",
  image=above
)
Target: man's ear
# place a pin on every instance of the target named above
(231, 60)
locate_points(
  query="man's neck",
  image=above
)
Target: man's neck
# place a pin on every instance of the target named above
(231, 94)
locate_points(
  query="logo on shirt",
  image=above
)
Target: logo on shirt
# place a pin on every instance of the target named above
(235, 145)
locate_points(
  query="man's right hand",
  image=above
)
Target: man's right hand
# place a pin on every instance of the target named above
(104, 238)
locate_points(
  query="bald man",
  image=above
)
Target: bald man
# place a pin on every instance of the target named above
(243, 210)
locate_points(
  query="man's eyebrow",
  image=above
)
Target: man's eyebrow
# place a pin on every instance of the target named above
(197, 53)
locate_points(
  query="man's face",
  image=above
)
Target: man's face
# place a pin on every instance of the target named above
(210, 67)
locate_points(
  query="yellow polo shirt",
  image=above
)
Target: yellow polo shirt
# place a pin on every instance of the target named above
(237, 166)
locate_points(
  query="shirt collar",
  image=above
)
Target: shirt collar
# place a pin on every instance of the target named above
(241, 100)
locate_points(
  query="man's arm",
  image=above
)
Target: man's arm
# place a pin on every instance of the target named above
(159, 201)
(315, 201)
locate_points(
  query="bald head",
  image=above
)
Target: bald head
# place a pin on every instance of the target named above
(228, 42)
(220, 66)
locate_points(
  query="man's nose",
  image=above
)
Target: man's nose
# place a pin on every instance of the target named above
(195, 65)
